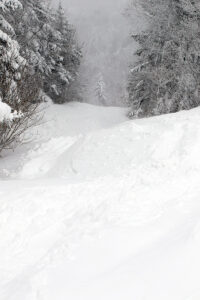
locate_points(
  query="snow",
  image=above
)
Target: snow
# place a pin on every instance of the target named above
(5, 111)
(6, 114)
(100, 207)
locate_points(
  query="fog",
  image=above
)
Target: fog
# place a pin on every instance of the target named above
(104, 33)
(78, 7)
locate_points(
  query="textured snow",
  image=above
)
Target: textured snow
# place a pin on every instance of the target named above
(5, 112)
(102, 208)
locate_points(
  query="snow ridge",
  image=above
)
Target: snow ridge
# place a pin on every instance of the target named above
(108, 210)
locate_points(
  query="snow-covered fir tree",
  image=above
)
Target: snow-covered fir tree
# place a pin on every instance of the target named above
(10, 64)
(51, 47)
(38, 51)
(67, 59)
(166, 77)
(19, 90)
(100, 90)
(33, 32)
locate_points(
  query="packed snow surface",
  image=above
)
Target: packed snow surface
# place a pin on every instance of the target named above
(102, 208)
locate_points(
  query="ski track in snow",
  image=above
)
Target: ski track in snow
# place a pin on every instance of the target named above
(102, 208)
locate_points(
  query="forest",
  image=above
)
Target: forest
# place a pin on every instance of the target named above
(41, 56)
(99, 149)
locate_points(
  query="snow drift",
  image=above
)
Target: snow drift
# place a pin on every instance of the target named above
(106, 209)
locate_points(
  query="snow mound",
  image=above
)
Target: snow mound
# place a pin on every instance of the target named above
(5, 112)
(166, 145)
(64, 132)
(104, 209)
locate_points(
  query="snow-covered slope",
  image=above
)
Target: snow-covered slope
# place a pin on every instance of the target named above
(102, 208)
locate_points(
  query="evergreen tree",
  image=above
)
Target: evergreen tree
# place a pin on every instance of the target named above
(166, 77)
(10, 63)
(38, 50)
(18, 89)
(51, 48)
(34, 31)
(67, 60)
(101, 90)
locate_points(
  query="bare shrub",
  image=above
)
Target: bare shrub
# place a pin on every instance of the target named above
(24, 97)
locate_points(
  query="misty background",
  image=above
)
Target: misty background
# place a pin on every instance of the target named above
(104, 33)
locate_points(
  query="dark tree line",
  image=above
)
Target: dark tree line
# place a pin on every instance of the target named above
(166, 75)
(39, 55)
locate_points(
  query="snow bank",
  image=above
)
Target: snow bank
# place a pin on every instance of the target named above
(5, 112)
(115, 212)
(162, 144)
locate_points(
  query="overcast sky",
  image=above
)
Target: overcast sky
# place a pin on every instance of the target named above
(89, 5)
(79, 7)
